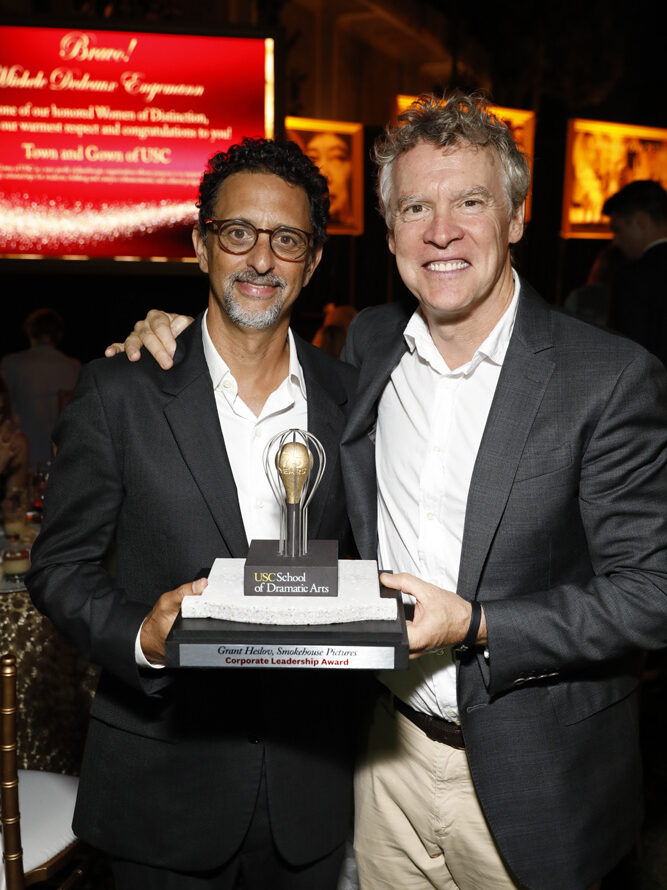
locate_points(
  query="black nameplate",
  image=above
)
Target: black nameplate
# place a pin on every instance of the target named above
(360, 645)
(267, 573)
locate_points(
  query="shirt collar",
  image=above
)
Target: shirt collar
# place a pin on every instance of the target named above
(219, 369)
(493, 349)
(653, 244)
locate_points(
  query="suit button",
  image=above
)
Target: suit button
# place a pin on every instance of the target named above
(254, 740)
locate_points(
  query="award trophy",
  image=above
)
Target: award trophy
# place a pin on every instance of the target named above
(293, 565)
(291, 603)
(294, 463)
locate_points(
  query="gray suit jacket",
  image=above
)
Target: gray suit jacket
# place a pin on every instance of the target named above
(173, 759)
(564, 543)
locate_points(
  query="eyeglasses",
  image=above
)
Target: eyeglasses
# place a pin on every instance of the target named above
(238, 236)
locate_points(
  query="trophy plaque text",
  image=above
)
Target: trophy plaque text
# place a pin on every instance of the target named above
(291, 603)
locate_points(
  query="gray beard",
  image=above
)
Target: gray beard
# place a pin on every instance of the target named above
(249, 318)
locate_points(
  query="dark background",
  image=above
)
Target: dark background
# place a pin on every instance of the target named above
(599, 60)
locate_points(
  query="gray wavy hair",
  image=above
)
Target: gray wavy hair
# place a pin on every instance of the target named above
(451, 121)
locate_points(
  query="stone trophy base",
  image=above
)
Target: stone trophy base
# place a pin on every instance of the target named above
(363, 628)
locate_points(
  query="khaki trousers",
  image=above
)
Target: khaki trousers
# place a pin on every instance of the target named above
(418, 822)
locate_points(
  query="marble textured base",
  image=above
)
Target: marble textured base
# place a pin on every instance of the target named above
(358, 598)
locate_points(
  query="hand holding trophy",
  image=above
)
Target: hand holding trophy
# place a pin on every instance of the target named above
(291, 603)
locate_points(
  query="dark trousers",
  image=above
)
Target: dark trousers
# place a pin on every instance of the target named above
(257, 865)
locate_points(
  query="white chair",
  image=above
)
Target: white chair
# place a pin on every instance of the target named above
(37, 810)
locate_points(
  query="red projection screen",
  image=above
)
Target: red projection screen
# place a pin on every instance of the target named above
(104, 135)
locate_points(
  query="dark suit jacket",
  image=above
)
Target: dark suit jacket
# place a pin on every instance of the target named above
(639, 301)
(173, 759)
(564, 543)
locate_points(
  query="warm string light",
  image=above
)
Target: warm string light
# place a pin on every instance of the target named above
(57, 225)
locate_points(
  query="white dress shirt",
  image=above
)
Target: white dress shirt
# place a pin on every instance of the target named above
(246, 435)
(430, 425)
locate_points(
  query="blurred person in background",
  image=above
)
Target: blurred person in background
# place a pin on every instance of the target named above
(40, 380)
(331, 335)
(14, 450)
(592, 301)
(638, 219)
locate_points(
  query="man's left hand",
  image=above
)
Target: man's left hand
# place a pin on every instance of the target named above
(441, 617)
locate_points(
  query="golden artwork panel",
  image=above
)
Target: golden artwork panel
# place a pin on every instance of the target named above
(602, 157)
(337, 149)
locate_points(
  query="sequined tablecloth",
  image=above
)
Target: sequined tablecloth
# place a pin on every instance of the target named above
(55, 687)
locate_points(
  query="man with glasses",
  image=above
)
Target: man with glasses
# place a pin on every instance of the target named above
(191, 778)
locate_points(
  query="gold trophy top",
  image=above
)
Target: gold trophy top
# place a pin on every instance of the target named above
(294, 463)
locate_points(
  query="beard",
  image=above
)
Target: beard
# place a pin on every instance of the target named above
(253, 318)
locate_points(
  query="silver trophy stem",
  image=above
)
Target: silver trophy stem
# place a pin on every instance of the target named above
(294, 538)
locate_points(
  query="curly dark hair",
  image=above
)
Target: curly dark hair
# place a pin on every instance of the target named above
(282, 158)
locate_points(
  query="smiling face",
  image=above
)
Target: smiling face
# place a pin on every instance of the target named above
(451, 234)
(256, 289)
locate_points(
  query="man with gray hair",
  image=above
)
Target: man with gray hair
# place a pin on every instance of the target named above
(521, 462)
(509, 464)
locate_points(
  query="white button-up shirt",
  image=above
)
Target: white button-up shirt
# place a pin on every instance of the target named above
(430, 425)
(246, 435)
(245, 438)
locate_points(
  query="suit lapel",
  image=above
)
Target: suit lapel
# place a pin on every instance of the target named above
(523, 380)
(388, 348)
(193, 419)
(358, 443)
(326, 421)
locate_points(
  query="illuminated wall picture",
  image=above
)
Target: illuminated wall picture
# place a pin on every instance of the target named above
(519, 121)
(337, 149)
(601, 158)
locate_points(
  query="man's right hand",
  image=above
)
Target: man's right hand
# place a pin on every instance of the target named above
(161, 617)
(157, 332)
